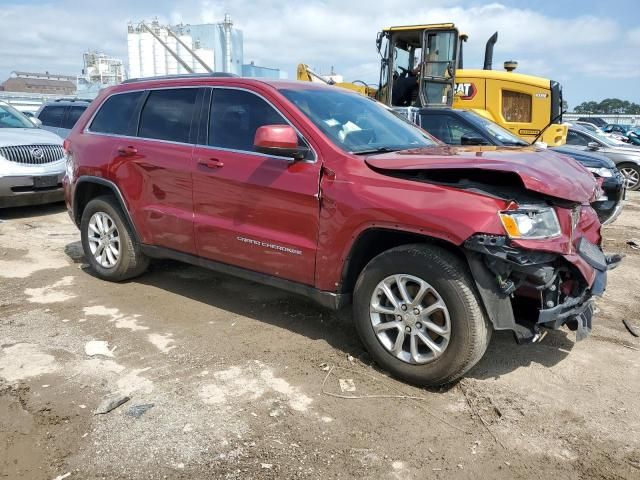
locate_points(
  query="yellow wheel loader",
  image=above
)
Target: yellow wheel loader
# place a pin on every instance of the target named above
(422, 66)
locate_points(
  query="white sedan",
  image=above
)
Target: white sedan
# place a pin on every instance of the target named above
(32, 161)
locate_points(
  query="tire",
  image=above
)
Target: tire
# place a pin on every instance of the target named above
(469, 330)
(631, 172)
(130, 261)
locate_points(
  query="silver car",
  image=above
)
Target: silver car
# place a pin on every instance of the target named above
(625, 156)
(32, 162)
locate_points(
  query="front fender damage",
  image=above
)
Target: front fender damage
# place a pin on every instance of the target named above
(527, 290)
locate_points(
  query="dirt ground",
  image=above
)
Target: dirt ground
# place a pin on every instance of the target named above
(242, 380)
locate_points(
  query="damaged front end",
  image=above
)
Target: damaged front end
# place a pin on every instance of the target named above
(524, 289)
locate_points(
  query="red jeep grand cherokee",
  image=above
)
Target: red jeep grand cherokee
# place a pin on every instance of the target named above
(329, 194)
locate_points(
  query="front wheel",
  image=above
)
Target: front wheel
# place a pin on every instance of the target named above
(417, 313)
(631, 173)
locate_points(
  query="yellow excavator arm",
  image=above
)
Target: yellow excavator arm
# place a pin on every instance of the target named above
(306, 74)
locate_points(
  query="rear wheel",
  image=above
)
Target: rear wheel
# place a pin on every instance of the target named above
(631, 173)
(417, 313)
(108, 241)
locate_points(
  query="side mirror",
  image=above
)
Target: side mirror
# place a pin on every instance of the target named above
(36, 121)
(593, 146)
(280, 140)
(466, 140)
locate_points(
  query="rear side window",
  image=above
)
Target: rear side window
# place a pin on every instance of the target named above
(51, 116)
(72, 116)
(235, 117)
(116, 114)
(167, 114)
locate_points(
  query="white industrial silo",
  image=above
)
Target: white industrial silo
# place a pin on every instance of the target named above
(207, 56)
(172, 64)
(147, 60)
(133, 48)
(185, 54)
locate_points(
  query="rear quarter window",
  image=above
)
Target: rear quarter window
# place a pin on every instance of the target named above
(116, 115)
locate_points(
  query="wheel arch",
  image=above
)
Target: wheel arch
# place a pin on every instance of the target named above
(88, 188)
(373, 241)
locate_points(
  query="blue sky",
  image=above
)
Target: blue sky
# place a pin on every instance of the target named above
(591, 47)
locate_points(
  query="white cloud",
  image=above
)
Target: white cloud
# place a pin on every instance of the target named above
(584, 52)
(633, 37)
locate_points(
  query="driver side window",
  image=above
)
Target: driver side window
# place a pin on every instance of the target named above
(575, 138)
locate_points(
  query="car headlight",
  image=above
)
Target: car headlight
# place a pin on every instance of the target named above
(601, 172)
(531, 222)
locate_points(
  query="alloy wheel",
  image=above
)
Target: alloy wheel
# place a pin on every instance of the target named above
(104, 240)
(410, 319)
(632, 177)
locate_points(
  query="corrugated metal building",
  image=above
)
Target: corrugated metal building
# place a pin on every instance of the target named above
(39, 83)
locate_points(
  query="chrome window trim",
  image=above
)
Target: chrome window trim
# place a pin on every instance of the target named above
(248, 152)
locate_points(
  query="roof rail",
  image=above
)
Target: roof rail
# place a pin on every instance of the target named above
(75, 99)
(183, 75)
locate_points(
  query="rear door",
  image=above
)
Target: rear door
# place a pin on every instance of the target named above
(252, 210)
(158, 165)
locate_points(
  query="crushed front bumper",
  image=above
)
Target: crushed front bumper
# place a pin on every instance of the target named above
(560, 288)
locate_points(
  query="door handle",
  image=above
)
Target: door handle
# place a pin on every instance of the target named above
(210, 162)
(127, 151)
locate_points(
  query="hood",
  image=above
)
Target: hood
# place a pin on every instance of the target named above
(27, 136)
(586, 158)
(540, 171)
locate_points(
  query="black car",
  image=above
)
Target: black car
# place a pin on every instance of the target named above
(463, 127)
(597, 121)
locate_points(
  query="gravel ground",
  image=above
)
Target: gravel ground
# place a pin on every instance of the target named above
(243, 380)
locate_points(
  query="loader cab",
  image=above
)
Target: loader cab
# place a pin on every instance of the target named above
(418, 65)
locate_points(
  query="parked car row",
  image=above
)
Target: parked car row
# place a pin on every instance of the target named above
(329, 194)
(625, 156)
(625, 133)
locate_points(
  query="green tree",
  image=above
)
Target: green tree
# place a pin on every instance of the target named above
(609, 106)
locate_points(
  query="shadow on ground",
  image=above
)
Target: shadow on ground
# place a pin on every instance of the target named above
(303, 317)
(31, 211)
(504, 355)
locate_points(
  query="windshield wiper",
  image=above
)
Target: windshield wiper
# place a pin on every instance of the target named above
(373, 151)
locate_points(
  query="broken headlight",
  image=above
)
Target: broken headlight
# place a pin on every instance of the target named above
(601, 172)
(531, 222)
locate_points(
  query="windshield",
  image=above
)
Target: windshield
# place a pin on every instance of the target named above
(612, 142)
(355, 123)
(11, 118)
(501, 134)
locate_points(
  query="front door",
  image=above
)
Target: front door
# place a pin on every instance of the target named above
(255, 211)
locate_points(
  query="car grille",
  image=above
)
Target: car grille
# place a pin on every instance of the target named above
(32, 154)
